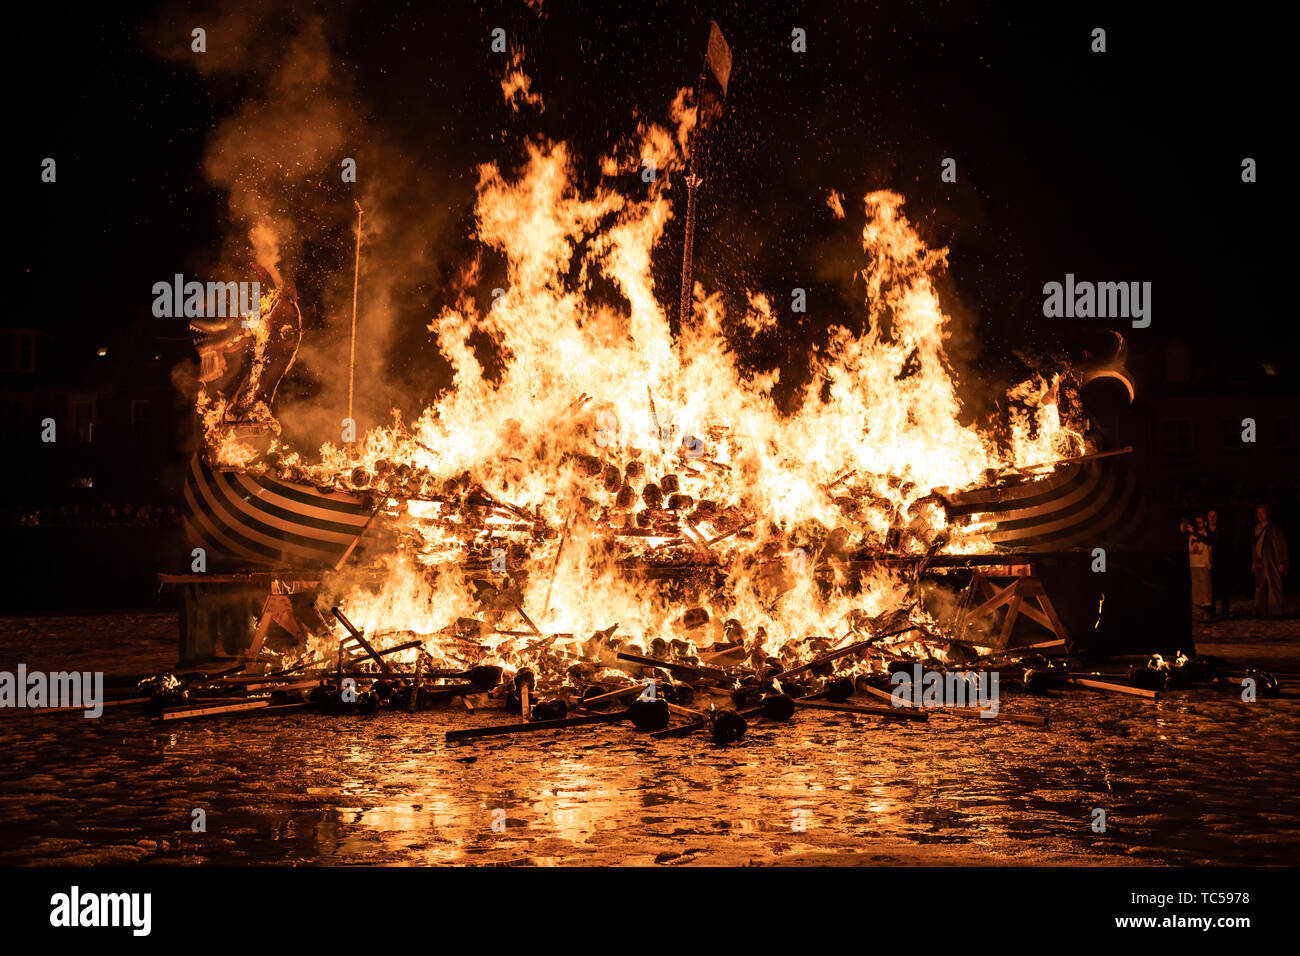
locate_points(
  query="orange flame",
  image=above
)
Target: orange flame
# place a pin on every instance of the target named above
(596, 405)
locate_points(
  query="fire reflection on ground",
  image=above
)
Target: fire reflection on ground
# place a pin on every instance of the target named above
(1201, 778)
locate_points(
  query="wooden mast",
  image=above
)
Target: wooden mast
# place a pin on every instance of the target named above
(717, 58)
(693, 182)
(352, 347)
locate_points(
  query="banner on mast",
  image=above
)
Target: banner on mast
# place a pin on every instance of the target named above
(713, 93)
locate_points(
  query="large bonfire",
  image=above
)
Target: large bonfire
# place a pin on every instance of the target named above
(610, 473)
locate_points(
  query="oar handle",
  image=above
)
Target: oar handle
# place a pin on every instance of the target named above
(709, 673)
(475, 732)
(897, 713)
(685, 730)
(614, 694)
(842, 652)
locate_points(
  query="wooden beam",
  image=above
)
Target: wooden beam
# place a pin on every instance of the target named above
(356, 636)
(893, 713)
(1113, 688)
(999, 598)
(1013, 611)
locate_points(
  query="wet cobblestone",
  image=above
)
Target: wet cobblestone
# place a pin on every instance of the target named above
(1197, 777)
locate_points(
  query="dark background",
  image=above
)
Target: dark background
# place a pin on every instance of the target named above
(1117, 166)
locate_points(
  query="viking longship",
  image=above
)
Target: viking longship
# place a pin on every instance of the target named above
(251, 518)
(242, 518)
(259, 521)
(1087, 503)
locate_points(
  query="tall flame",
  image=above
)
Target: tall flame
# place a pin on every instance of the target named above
(588, 403)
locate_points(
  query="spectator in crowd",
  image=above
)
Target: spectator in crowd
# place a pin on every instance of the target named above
(1220, 566)
(1269, 561)
(1198, 559)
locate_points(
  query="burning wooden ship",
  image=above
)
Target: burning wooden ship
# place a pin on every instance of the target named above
(626, 487)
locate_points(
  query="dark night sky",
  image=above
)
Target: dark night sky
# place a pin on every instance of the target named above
(1121, 166)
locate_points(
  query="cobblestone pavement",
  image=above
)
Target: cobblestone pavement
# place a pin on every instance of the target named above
(1197, 777)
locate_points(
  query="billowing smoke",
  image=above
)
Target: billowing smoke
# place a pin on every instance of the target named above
(280, 157)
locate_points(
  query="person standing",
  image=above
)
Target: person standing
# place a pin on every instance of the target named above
(1269, 561)
(1198, 559)
(1220, 566)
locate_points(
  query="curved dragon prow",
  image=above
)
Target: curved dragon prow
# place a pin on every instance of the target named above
(244, 358)
(1090, 500)
(248, 517)
(1111, 363)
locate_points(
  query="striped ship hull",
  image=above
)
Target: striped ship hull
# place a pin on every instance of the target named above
(251, 520)
(1088, 505)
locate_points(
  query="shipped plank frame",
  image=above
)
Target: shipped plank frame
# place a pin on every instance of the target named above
(1015, 588)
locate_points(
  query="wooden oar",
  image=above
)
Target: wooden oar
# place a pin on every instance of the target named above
(399, 647)
(705, 673)
(385, 652)
(627, 691)
(644, 714)
(484, 675)
(684, 711)
(773, 707)
(525, 680)
(282, 686)
(894, 713)
(955, 712)
(215, 709)
(842, 652)
(884, 695)
(726, 726)
(1113, 688)
(1029, 719)
(440, 691)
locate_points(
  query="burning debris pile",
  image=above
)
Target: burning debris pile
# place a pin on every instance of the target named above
(666, 501)
(609, 450)
(605, 680)
(608, 506)
(619, 525)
